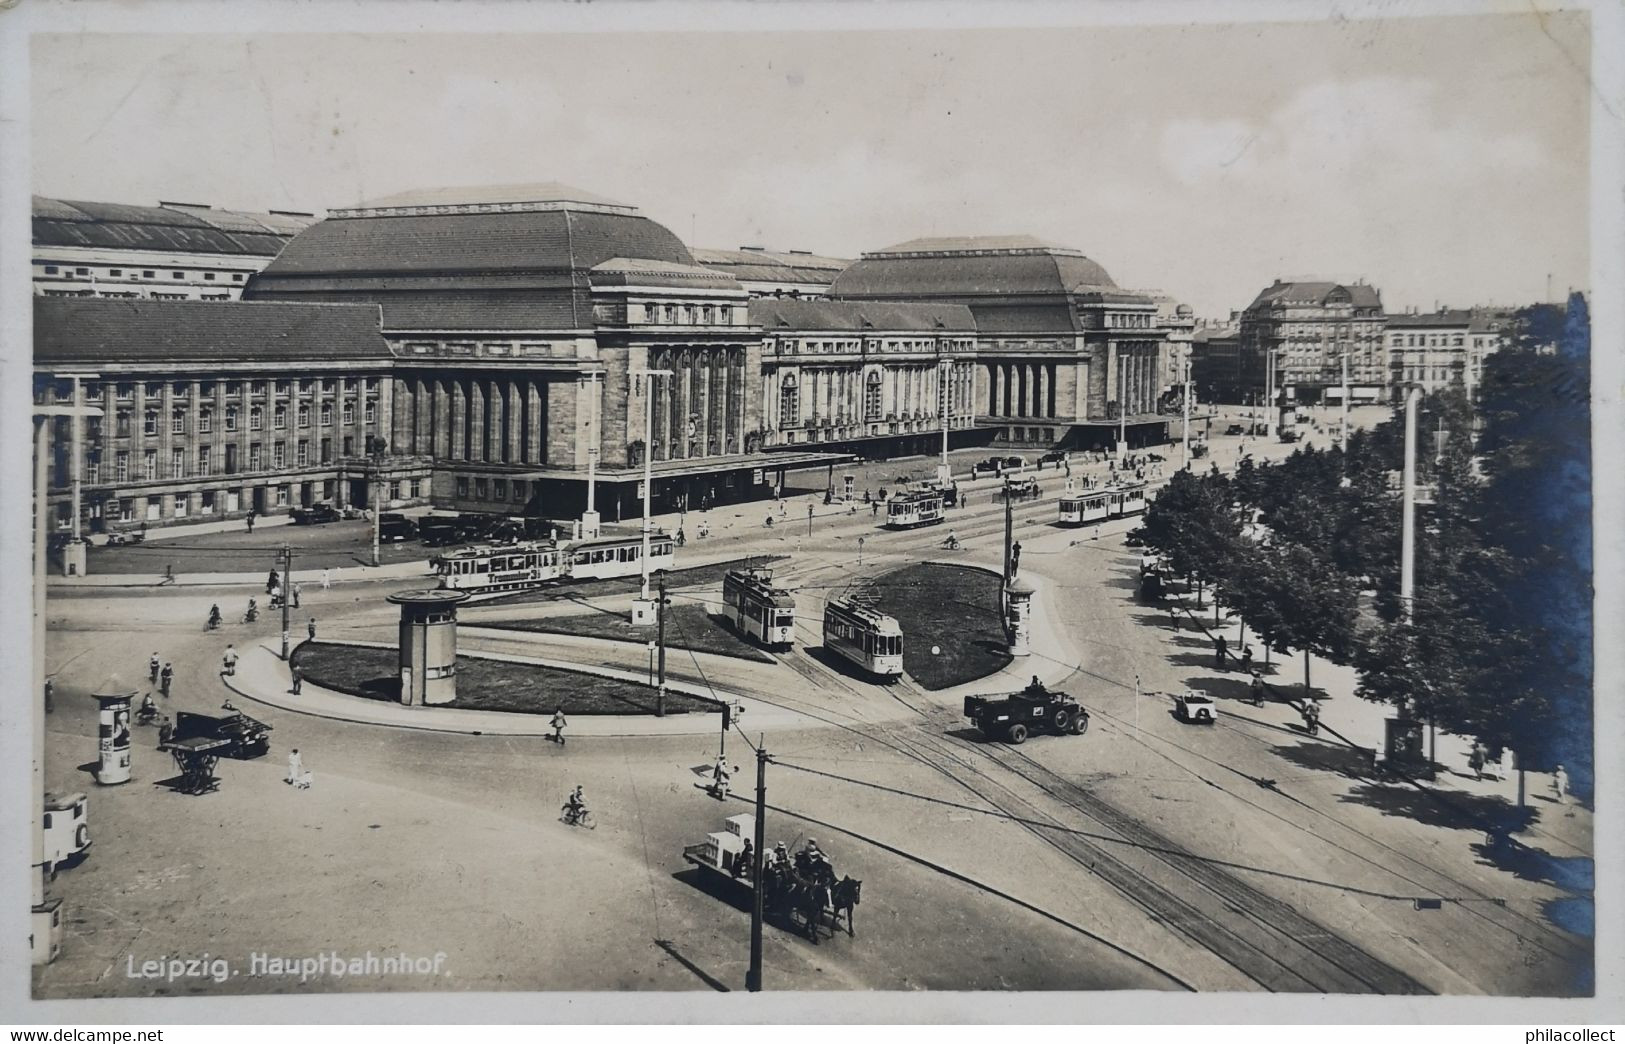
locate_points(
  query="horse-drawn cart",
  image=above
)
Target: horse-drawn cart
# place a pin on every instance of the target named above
(806, 889)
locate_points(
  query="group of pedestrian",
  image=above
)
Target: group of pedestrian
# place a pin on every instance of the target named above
(161, 672)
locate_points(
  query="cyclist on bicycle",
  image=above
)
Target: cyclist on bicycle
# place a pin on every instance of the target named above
(214, 616)
(576, 807)
(253, 611)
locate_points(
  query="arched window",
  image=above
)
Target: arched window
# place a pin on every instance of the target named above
(789, 402)
(871, 396)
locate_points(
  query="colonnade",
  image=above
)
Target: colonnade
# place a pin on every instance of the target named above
(1137, 379)
(1021, 389)
(699, 411)
(498, 419)
(858, 394)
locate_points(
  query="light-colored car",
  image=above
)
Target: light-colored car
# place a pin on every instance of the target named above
(67, 834)
(1195, 707)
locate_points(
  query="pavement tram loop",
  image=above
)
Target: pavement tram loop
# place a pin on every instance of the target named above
(1250, 946)
(1339, 963)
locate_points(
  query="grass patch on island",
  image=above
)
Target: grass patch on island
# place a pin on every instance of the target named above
(487, 684)
(954, 608)
(687, 627)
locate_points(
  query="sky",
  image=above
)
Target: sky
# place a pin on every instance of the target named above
(1444, 160)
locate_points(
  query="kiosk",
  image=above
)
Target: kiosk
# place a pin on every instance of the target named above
(428, 645)
(1018, 602)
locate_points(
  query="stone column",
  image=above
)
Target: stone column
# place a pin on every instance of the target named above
(459, 421)
(496, 446)
(476, 419)
(534, 441)
(516, 424)
(166, 399)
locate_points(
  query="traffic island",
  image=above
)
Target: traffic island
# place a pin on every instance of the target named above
(488, 684)
(952, 619)
(687, 627)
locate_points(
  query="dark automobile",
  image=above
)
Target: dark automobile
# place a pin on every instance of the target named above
(439, 531)
(1015, 462)
(1055, 457)
(993, 464)
(316, 514)
(1234, 429)
(392, 525)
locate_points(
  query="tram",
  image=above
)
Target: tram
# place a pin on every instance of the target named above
(759, 610)
(863, 636)
(920, 507)
(1082, 507)
(485, 569)
(488, 569)
(606, 557)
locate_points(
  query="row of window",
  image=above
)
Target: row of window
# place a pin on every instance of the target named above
(203, 463)
(1129, 320)
(256, 419)
(1426, 340)
(493, 489)
(125, 390)
(134, 274)
(689, 315)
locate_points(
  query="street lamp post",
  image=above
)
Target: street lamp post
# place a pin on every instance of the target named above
(643, 609)
(39, 875)
(589, 517)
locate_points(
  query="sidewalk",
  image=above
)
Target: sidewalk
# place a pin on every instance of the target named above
(263, 677)
(1361, 723)
(306, 578)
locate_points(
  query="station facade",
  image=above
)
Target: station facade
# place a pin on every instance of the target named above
(488, 349)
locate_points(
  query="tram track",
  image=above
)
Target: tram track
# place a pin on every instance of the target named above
(1260, 937)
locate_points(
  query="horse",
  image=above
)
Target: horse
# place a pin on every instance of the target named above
(844, 897)
(809, 898)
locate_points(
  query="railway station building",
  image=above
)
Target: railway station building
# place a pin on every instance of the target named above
(519, 319)
(211, 411)
(1064, 356)
(489, 349)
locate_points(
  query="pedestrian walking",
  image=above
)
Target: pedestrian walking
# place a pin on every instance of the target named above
(1560, 785)
(1475, 761)
(152, 668)
(298, 680)
(296, 594)
(327, 579)
(558, 726)
(250, 520)
(166, 731)
(310, 629)
(720, 778)
(165, 678)
(298, 776)
(228, 662)
(272, 582)
(1220, 647)
(874, 508)
(169, 574)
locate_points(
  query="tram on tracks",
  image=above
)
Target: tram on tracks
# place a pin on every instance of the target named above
(487, 569)
(864, 636)
(919, 507)
(759, 610)
(1081, 507)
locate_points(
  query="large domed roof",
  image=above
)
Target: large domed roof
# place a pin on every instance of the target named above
(499, 257)
(970, 265)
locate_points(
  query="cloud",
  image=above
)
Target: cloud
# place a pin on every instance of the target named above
(1194, 150)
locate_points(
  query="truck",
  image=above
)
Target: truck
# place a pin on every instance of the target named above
(1016, 715)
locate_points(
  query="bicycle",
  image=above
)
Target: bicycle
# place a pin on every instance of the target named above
(577, 817)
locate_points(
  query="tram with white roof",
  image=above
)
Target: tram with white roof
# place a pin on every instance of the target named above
(1082, 507)
(864, 636)
(918, 507)
(759, 610)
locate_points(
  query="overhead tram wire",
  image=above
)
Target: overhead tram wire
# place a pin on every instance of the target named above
(1137, 735)
(689, 646)
(1023, 821)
